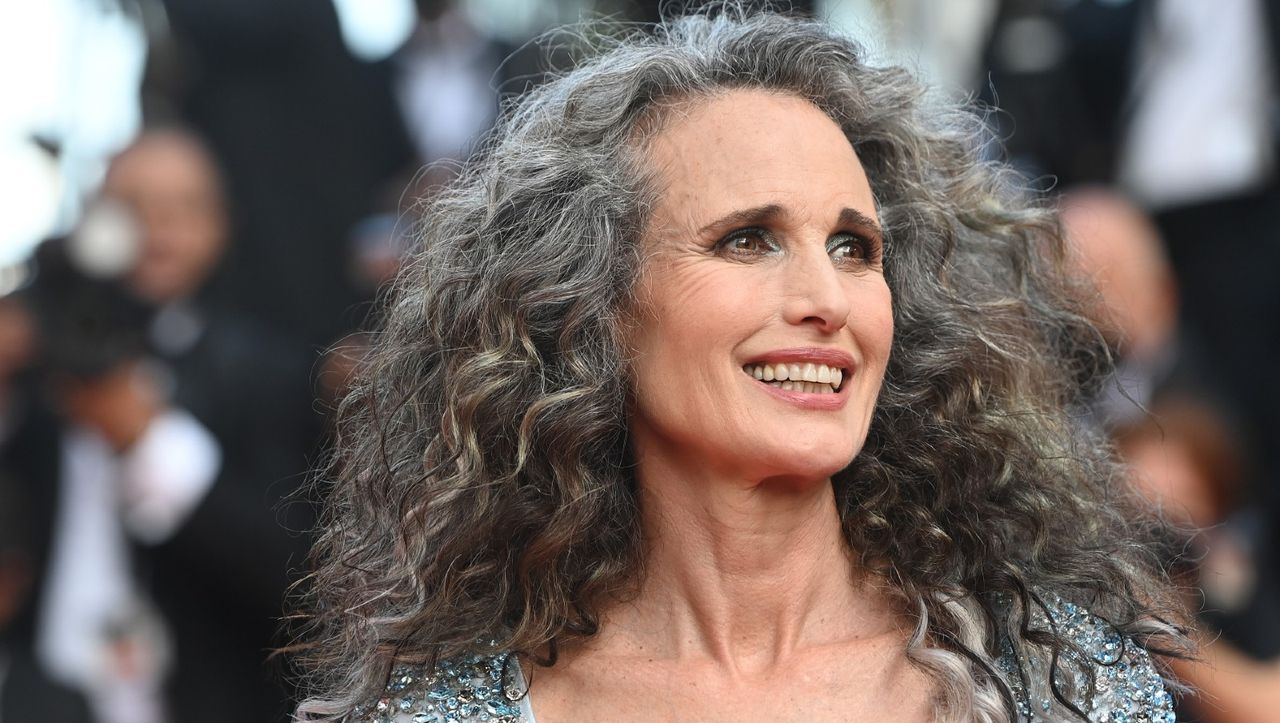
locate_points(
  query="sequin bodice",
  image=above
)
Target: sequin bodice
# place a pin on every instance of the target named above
(487, 685)
(1128, 689)
(484, 686)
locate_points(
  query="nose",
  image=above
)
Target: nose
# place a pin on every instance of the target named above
(815, 292)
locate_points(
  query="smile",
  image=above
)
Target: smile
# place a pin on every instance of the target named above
(807, 378)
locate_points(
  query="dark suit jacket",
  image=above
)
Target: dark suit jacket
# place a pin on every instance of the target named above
(28, 696)
(221, 579)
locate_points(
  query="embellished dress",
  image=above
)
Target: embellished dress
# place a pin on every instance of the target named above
(487, 686)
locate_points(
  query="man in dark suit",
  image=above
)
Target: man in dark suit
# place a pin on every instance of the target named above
(221, 577)
(198, 420)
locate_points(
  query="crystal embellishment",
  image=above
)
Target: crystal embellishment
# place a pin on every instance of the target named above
(1126, 686)
(466, 689)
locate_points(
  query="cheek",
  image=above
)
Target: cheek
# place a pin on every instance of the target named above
(692, 316)
(883, 343)
(872, 322)
(688, 307)
(667, 364)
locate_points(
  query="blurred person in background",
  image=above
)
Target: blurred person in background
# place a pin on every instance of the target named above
(1206, 171)
(100, 463)
(122, 468)
(1184, 460)
(170, 187)
(447, 75)
(1171, 428)
(1175, 102)
(1059, 72)
(223, 575)
(180, 426)
(26, 692)
(306, 135)
(1117, 249)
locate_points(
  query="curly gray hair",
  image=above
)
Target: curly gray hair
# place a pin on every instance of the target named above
(481, 483)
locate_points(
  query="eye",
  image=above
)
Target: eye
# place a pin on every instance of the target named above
(851, 249)
(747, 242)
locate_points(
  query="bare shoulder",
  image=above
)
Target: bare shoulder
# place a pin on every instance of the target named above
(482, 686)
(1111, 678)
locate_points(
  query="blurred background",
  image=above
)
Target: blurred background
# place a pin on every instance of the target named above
(200, 198)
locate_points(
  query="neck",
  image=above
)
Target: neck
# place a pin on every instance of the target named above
(746, 572)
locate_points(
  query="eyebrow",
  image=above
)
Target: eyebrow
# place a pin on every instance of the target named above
(854, 217)
(772, 212)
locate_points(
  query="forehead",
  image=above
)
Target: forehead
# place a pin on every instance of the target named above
(161, 162)
(747, 148)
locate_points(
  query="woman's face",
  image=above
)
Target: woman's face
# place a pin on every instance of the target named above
(762, 265)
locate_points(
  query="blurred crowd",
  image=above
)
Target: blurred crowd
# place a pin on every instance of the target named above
(165, 375)
(168, 368)
(1154, 126)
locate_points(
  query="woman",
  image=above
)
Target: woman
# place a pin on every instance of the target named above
(730, 383)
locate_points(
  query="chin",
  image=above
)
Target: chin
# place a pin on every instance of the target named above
(809, 464)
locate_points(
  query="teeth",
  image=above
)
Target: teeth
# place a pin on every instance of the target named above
(808, 377)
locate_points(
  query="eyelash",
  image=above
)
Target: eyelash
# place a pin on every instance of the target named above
(870, 249)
